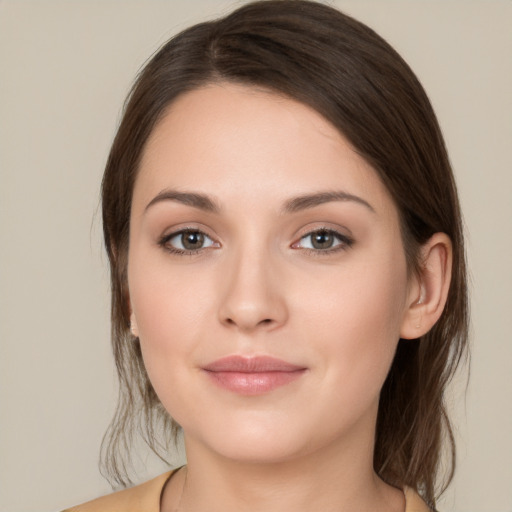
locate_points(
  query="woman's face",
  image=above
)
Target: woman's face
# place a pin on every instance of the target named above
(267, 276)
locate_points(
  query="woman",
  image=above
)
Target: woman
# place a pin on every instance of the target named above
(288, 276)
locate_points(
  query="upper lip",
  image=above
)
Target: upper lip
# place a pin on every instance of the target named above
(253, 364)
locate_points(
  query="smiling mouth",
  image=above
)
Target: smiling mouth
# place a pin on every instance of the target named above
(252, 375)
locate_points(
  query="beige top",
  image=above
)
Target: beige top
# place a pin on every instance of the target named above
(146, 498)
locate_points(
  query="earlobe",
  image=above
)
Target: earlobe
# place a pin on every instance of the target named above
(134, 329)
(428, 297)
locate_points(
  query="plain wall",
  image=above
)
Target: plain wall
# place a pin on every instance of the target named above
(65, 68)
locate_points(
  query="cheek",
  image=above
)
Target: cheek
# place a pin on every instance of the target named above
(356, 323)
(170, 307)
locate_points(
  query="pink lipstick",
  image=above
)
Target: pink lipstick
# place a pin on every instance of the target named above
(252, 375)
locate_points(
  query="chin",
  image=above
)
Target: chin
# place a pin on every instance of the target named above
(255, 438)
(271, 449)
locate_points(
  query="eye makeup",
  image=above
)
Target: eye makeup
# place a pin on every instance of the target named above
(322, 241)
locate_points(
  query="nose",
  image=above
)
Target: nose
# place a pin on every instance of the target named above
(253, 297)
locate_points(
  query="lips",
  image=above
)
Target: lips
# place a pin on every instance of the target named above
(252, 375)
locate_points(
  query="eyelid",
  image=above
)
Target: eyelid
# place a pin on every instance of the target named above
(345, 240)
(164, 240)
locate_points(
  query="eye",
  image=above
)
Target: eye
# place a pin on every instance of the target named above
(324, 240)
(187, 241)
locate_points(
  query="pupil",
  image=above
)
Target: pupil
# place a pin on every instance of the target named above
(192, 240)
(322, 240)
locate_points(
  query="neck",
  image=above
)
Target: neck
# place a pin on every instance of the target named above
(339, 478)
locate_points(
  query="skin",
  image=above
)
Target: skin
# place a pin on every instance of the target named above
(258, 286)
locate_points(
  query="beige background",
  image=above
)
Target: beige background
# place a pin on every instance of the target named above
(65, 68)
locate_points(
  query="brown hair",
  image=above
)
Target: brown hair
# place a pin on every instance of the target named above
(314, 54)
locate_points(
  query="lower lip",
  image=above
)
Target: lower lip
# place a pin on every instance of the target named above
(255, 383)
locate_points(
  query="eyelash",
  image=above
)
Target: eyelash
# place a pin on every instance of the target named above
(345, 242)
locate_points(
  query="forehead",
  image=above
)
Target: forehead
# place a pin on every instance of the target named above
(226, 140)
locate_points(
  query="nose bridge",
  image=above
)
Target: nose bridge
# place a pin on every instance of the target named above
(253, 295)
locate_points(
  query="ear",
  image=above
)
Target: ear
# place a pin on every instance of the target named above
(428, 289)
(134, 329)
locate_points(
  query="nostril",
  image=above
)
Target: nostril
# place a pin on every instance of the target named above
(265, 321)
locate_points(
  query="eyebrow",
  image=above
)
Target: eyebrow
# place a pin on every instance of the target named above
(311, 200)
(296, 204)
(200, 201)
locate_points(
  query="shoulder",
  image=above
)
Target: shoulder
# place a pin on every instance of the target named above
(145, 497)
(413, 501)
